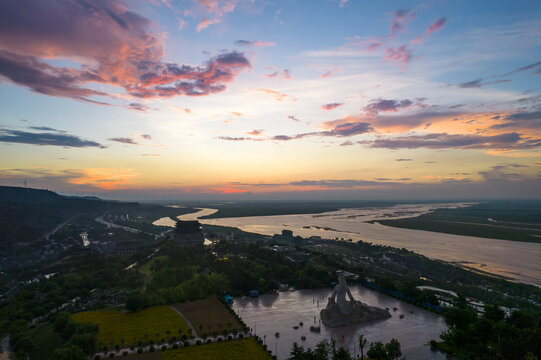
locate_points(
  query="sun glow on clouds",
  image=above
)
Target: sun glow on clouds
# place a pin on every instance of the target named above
(224, 102)
(105, 179)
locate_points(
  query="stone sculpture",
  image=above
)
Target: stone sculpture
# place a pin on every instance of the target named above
(341, 312)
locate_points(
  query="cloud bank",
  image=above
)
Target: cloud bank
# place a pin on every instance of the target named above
(113, 46)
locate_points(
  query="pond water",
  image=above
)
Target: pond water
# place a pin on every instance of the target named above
(271, 313)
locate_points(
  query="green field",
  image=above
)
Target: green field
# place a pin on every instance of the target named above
(144, 356)
(246, 349)
(228, 350)
(208, 316)
(145, 268)
(127, 329)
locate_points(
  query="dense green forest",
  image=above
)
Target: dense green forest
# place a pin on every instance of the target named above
(491, 335)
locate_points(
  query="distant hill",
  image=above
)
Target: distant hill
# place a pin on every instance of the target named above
(15, 194)
(89, 197)
(27, 214)
(12, 194)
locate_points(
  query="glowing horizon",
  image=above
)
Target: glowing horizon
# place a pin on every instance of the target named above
(242, 99)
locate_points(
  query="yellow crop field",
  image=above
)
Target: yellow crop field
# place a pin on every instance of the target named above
(228, 350)
(127, 329)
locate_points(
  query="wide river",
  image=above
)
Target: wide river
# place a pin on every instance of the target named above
(272, 313)
(520, 261)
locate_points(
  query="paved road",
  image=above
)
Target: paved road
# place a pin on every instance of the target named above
(100, 220)
(52, 232)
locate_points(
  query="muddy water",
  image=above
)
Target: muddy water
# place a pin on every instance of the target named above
(516, 260)
(167, 221)
(273, 313)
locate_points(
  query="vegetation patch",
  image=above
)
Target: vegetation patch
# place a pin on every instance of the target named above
(146, 269)
(209, 316)
(126, 329)
(230, 350)
(144, 356)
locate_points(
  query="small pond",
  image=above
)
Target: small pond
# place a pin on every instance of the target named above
(271, 313)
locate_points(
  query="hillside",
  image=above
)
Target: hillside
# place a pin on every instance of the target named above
(26, 214)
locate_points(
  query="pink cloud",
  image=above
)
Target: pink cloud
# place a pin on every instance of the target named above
(285, 74)
(400, 21)
(214, 9)
(331, 106)
(205, 23)
(256, 43)
(259, 43)
(330, 72)
(327, 74)
(139, 107)
(291, 117)
(386, 105)
(436, 26)
(181, 24)
(113, 46)
(401, 55)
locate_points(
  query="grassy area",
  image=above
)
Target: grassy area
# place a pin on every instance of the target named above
(228, 350)
(145, 268)
(126, 329)
(45, 341)
(144, 356)
(209, 315)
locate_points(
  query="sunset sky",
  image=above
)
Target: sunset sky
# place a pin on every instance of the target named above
(259, 99)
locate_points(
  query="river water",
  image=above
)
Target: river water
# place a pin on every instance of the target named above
(273, 313)
(167, 221)
(519, 261)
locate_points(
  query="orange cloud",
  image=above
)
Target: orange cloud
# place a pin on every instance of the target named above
(278, 96)
(228, 190)
(105, 178)
(255, 132)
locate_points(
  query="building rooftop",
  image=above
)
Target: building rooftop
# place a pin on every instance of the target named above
(188, 227)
